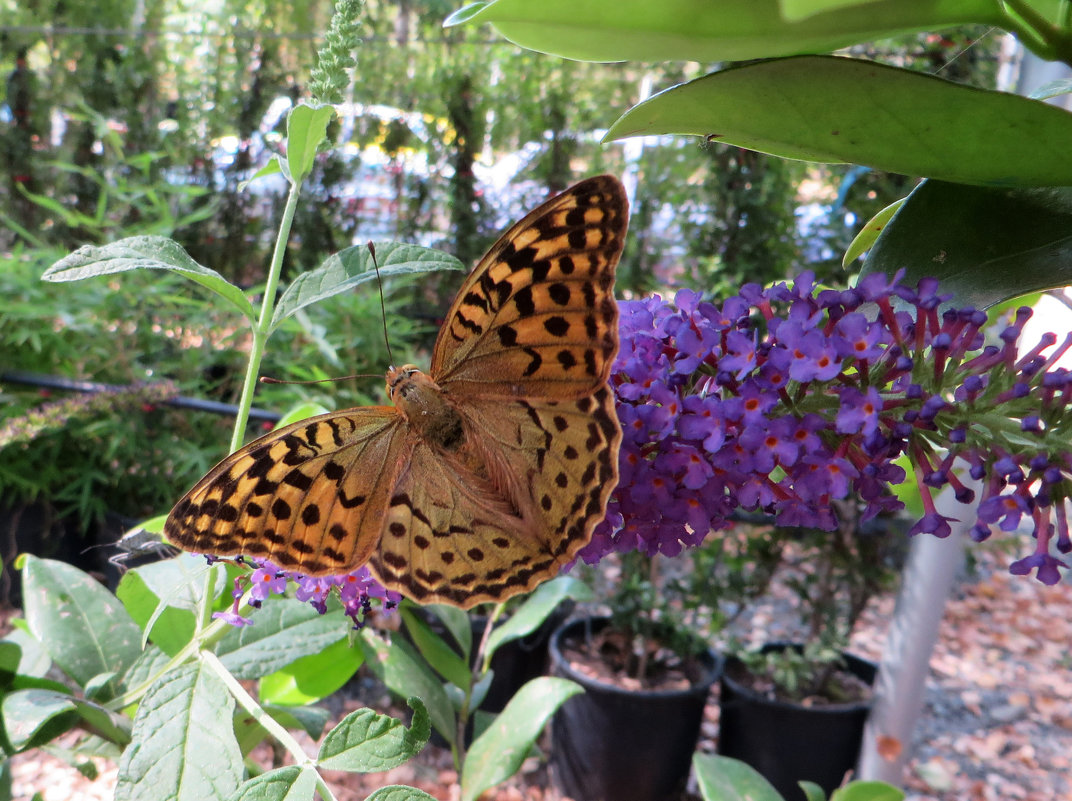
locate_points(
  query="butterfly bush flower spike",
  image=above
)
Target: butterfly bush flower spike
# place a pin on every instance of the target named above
(782, 400)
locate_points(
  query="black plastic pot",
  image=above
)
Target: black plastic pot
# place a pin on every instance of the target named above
(787, 742)
(611, 744)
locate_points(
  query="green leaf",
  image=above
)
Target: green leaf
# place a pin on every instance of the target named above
(824, 108)
(186, 748)
(458, 624)
(812, 791)
(535, 610)
(723, 779)
(83, 627)
(282, 784)
(498, 753)
(283, 630)
(398, 666)
(312, 677)
(352, 266)
(706, 31)
(365, 742)
(399, 792)
(863, 241)
(306, 127)
(984, 244)
(164, 595)
(867, 791)
(1052, 89)
(145, 253)
(33, 717)
(272, 167)
(33, 659)
(148, 665)
(440, 657)
(310, 719)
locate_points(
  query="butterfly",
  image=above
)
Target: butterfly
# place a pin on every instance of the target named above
(490, 471)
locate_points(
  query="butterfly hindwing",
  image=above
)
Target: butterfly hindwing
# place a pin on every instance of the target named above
(310, 496)
(537, 317)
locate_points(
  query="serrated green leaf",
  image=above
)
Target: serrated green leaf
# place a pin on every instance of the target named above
(312, 677)
(145, 253)
(867, 791)
(832, 109)
(306, 127)
(83, 627)
(365, 742)
(398, 666)
(498, 753)
(863, 241)
(399, 792)
(186, 748)
(440, 657)
(723, 779)
(535, 610)
(705, 31)
(283, 630)
(983, 244)
(282, 784)
(353, 266)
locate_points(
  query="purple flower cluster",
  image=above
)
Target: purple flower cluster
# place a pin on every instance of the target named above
(355, 589)
(785, 399)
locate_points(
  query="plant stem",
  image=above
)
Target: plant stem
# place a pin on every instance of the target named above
(263, 327)
(257, 712)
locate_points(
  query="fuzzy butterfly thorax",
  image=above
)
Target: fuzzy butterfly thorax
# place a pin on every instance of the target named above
(490, 471)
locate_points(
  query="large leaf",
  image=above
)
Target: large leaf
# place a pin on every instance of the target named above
(164, 595)
(823, 108)
(709, 30)
(284, 630)
(312, 677)
(984, 244)
(33, 717)
(144, 253)
(498, 753)
(186, 748)
(723, 779)
(83, 627)
(366, 742)
(353, 266)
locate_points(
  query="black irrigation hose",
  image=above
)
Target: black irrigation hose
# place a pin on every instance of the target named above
(180, 402)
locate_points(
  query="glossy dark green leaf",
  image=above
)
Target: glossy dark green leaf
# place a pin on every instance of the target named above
(984, 244)
(705, 30)
(368, 743)
(186, 748)
(723, 779)
(822, 108)
(144, 253)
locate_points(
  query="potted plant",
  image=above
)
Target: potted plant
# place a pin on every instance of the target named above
(796, 710)
(647, 666)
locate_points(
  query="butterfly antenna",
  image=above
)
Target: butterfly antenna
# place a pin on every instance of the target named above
(383, 309)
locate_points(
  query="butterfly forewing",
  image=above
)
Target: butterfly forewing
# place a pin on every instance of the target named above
(537, 317)
(310, 497)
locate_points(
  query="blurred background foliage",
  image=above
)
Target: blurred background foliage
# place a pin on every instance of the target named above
(135, 116)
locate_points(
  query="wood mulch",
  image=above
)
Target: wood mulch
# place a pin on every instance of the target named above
(997, 724)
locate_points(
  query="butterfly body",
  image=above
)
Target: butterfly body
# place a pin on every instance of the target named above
(490, 471)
